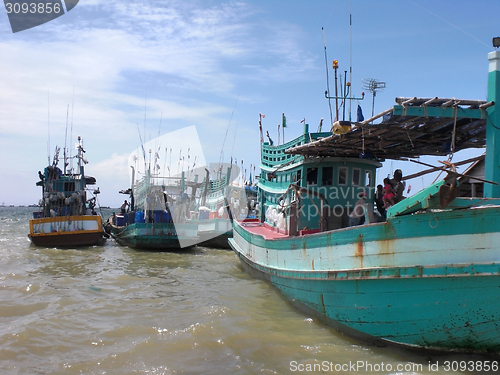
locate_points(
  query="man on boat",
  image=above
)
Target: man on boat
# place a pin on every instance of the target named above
(379, 201)
(398, 185)
(357, 216)
(124, 206)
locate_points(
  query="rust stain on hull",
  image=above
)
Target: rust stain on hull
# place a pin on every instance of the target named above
(360, 250)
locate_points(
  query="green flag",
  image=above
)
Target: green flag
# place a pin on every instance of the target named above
(283, 120)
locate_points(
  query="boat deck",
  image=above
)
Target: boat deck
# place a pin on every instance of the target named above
(269, 233)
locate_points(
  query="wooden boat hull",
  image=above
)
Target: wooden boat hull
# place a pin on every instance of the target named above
(155, 236)
(67, 231)
(425, 280)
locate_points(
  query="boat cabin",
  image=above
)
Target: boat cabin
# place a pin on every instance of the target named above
(328, 186)
(64, 194)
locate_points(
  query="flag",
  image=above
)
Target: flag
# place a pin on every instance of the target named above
(283, 120)
(360, 114)
(260, 129)
(270, 140)
(261, 116)
(303, 120)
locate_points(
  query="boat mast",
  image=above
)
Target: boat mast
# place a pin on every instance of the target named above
(492, 160)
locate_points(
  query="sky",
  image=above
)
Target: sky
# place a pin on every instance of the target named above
(116, 72)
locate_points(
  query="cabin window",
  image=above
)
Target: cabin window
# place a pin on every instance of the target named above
(299, 177)
(312, 176)
(287, 177)
(342, 180)
(327, 178)
(356, 177)
(368, 178)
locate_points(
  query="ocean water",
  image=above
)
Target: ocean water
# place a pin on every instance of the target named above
(114, 310)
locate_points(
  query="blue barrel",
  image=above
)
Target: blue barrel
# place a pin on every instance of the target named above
(120, 220)
(130, 218)
(204, 215)
(139, 217)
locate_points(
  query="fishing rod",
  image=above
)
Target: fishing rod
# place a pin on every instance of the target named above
(66, 139)
(221, 158)
(142, 146)
(71, 132)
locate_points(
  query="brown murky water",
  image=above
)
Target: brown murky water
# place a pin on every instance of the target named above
(114, 310)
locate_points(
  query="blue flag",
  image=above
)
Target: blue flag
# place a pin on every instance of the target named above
(360, 114)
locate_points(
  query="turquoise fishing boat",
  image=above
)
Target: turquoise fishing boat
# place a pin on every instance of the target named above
(159, 216)
(427, 275)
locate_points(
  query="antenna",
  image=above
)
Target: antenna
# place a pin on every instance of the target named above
(373, 86)
(327, 82)
(341, 127)
(350, 54)
(48, 125)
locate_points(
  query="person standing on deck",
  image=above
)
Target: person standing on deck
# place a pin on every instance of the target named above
(398, 185)
(379, 201)
(123, 208)
(357, 216)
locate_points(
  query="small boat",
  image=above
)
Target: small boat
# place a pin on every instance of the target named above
(427, 275)
(66, 215)
(160, 215)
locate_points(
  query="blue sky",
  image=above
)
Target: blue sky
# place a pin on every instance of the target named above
(120, 65)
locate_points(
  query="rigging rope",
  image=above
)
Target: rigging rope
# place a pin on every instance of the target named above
(453, 138)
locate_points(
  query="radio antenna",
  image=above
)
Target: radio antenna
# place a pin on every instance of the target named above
(327, 80)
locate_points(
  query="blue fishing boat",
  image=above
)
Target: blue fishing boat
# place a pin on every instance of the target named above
(426, 273)
(66, 215)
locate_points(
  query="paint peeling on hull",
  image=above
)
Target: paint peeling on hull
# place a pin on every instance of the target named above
(417, 307)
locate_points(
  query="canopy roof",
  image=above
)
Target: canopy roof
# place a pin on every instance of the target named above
(413, 127)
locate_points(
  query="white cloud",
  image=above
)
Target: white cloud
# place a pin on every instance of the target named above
(104, 66)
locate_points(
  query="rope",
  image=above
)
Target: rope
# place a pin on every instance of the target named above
(452, 151)
(453, 139)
